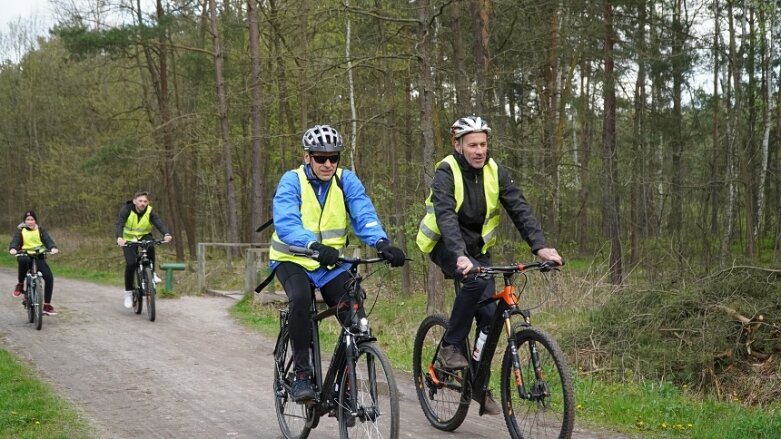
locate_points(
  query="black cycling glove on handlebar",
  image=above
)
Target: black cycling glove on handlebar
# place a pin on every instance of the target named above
(326, 255)
(392, 254)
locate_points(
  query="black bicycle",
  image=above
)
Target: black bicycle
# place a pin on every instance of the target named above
(358, 388)
(536, 387)
(145, 277)
(33, 290)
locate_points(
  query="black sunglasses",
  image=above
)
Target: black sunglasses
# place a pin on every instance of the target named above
(321, 159)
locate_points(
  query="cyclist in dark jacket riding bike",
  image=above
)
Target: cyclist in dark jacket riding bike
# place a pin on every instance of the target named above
(462, 214)
(313, 207)
(134, 223)
(28, 237)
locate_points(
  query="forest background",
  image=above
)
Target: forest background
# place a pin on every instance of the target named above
(645, 133)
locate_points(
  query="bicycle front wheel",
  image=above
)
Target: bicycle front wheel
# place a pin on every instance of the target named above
(28, 300)
(150, 293)
(138, 293)
(375, 413)
(294, 419)
(444, 394)
(542, 405)
(38, 304)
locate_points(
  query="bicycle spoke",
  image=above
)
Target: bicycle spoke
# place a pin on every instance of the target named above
(376, 407)
(544, 406)
(441, 392)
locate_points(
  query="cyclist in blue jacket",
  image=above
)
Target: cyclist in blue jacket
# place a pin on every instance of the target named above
(314, 207)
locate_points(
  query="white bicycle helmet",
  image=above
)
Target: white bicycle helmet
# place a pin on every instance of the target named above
(322, 138)
(469, 124)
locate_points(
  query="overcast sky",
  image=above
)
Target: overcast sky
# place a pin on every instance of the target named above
(13, 10)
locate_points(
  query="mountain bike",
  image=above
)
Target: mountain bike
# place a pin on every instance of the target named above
(358, 388)
(33, 290)
(537, 398)
(145, 277)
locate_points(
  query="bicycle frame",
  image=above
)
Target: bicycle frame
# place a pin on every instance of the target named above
(34, 305)
(479, 372)
(344, 352)
(507, 307)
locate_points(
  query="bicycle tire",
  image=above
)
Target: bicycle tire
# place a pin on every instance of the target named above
(38, 304)
(28, 301)
(138, 294)
(295, 420)
(446, 402)
(377, 404)
(150, 293)
(540, 416)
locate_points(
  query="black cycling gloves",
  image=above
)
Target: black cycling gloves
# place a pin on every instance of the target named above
(326, 255)
(392, 254)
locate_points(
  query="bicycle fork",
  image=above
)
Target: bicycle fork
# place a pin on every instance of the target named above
(534, 358)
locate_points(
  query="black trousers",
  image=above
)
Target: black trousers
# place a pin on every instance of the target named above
(473, 289)
(25, 262)
(299, 292)
(131, 263)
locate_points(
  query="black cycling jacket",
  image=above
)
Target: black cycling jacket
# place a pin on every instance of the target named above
(469, 220)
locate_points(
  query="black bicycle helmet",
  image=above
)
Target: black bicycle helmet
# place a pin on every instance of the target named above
(322, 138)
(469, 124)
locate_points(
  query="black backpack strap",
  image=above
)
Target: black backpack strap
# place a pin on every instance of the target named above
(266, 281)
(265, 225)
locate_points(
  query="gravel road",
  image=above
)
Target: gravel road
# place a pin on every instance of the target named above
(193, 373)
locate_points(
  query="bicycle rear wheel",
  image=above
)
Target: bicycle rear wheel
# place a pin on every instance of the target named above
(444, 394)
(294, 418)
(548, 409)
(149, 293)
(38, 304)
(377, 403)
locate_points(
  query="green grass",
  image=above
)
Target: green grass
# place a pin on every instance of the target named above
(29, 409)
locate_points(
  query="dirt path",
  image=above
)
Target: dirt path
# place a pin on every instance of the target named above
(194, 373)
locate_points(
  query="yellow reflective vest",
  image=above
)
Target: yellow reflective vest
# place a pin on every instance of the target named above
(328, 223)
(31, 239)
(428, 231)
(137, 227)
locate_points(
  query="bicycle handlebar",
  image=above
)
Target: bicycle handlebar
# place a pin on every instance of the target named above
(144, 243)
(312, 254)
(543, 266)
(36, 252)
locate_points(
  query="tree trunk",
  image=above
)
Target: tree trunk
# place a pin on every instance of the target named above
(258, 214)
(481, 52)
(609, 159)
(675, 222)
(766, 49)
(435, 299)
(222, 115)
(638, 144)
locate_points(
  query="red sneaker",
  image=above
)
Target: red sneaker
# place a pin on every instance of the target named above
(49, 310)
(18, 289)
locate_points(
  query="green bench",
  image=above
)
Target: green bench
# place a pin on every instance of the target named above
(169, 268)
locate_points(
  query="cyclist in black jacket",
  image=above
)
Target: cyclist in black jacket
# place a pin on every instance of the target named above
(134, 223)
(462, 215)
(28, 237)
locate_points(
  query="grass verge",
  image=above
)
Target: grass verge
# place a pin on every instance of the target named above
(30, 409)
